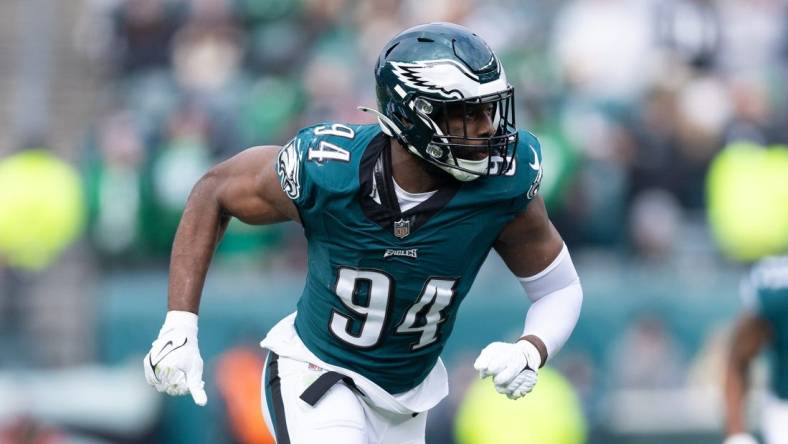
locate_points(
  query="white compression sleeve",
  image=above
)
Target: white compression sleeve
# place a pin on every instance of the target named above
(557, 298)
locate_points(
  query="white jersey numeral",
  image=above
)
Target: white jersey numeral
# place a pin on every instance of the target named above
(439, 293)
(328, 151)
(336, 129)
(373, 315)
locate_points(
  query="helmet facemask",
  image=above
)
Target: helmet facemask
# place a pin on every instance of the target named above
(451, 147)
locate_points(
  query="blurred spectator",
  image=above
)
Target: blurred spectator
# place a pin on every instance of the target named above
(752, 119)
(691, 30)
(647, 356)
(603, 48)
(143, 30)
(599, 195)
(631, 95)
(268, 114)
(655, 218)
(754, 38)
(29, 431)
(183, 157)
(114, 184)
(207, 50)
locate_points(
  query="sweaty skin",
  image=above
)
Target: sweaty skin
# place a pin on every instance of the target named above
(750, 335)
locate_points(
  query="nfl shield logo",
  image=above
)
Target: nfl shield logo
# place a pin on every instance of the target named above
(401, 228)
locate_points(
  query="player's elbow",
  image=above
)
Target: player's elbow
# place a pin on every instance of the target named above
(206, 190)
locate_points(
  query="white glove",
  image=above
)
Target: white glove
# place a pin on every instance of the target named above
(740, 438)
(173, 365)
(512, 366)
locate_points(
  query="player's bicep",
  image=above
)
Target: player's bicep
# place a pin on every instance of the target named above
(530, 242)
(249, 188)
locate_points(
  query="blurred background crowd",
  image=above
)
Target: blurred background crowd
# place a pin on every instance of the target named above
(664, 126)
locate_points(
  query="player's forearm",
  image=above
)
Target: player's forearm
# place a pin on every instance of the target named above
(552, 318)
(750, 334)
(557, 299)
(199, 231)
(735, 392)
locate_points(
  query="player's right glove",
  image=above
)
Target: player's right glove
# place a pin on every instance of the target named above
(513, 367)
(173, 365)
(740, 438)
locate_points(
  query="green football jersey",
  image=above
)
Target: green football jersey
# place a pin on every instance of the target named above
(766, 291)
(383, 286)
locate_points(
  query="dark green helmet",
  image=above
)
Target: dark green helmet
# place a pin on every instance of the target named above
(432, 73)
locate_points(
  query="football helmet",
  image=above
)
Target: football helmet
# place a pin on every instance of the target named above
(431, 81)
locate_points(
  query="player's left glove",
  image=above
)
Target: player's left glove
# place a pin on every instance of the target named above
(513, 367)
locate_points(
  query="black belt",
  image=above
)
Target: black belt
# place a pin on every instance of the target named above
(322, 384)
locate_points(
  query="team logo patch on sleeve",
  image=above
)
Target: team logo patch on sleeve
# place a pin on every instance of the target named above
(288, 167)
(536, 166)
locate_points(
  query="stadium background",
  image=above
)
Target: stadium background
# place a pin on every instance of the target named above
(112, 109)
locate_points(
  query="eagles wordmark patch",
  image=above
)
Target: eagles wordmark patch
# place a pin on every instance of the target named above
(410, 252)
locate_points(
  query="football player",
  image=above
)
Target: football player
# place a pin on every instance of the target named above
(399, 216)
(764, 324)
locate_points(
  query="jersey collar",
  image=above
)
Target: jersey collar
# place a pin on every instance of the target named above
(378, 197)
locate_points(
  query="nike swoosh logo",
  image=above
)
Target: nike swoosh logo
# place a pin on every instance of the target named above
(160, 357)
(169, 343)
(537, 165)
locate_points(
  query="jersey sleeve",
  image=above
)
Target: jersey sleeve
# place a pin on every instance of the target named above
(529, 154)
(318, 167)
(513, 190)
(290, 167)
(764, 291)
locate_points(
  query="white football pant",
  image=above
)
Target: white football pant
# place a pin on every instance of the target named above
(774, 424)
(340, 416)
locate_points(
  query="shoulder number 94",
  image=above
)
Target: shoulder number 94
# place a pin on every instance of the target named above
(327, 150)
